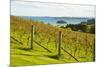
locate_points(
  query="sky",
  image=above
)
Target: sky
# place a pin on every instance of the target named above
(22, 8)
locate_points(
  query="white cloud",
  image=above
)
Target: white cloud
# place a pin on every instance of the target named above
(21, 8)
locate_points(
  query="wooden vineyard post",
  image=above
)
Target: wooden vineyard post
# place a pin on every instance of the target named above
(32, 35)
(59, 43)
(86, 47)
(94, 50)
(86, 44)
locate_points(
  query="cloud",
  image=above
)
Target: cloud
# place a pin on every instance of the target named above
(21, 8)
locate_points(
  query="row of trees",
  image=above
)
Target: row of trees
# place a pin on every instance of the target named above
(86, 26)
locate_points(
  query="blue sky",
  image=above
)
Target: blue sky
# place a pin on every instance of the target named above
(20, 8)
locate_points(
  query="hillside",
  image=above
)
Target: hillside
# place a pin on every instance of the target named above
(45, 44)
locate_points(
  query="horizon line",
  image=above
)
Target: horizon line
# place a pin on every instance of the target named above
(57, 16)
